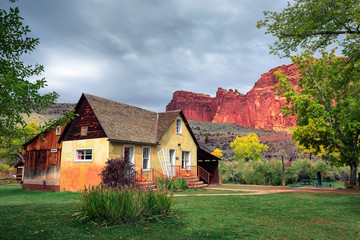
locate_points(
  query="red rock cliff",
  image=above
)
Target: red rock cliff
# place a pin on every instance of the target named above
(259, 108)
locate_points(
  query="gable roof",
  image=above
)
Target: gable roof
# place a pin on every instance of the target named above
(130, 124)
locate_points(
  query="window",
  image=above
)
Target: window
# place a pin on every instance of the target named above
(84, 155)
(58, 130)
(84, 131)
(185, 160)
(146, 158)
(178, 126)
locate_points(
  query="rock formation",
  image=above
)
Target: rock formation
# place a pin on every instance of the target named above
(259, 108)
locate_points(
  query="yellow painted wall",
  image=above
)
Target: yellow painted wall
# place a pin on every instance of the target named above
(117, 151)
(75, 175)
(171, 140)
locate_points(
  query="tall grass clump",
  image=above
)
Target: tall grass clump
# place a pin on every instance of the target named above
(112, 206)
(171, 184)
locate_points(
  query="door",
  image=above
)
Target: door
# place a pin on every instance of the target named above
(172, 167)
(129, 154)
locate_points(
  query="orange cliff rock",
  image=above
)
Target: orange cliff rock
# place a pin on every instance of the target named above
(259, 108)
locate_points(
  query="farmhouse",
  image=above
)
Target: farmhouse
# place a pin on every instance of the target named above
(158, 144)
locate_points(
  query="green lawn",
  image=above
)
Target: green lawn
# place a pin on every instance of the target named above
(47, 215)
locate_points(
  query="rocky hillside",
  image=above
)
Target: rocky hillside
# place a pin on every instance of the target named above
(259, 108)
(53, 112)
(220, 135)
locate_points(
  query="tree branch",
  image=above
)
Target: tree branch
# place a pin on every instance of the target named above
(323, 33)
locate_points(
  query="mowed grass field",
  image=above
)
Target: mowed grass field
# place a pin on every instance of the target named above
(47, 215)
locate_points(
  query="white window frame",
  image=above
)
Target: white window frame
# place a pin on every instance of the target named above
(58, 130)
(149, 158)
(186, 167)
(178, 126)
(85, 160)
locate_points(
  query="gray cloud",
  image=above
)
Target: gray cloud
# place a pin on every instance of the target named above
(139, 52)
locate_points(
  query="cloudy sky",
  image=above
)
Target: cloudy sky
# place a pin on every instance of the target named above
(140, 51)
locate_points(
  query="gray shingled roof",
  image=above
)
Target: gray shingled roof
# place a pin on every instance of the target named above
(122, 122)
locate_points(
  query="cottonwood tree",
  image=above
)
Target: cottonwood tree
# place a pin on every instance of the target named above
(18, 93)
(217, 153)
(248, 148)
(327, 101)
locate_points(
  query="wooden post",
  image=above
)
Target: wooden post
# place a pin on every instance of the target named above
(283, 171)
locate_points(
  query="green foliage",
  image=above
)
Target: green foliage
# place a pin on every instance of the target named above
(248, 148)
(327, 107)
(111, 206)
(269, 172)
(6, 168)
(327, 101)
(206, 139)
(308, 24)
(11, 147)
(171, 184)
(18, 94)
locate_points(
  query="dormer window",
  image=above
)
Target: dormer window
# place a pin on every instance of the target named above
(58, 130)
(178, 126)
(84, 131)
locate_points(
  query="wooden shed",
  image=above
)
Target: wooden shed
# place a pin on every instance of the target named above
(42, 161)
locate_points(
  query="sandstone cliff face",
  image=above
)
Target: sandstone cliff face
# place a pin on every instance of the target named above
(259, 108)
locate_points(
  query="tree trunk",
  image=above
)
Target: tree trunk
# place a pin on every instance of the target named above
(353, 167)
(283, 171)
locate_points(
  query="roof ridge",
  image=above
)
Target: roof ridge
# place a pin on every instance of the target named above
(125, 104)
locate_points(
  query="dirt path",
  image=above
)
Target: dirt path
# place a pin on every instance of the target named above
(260, 190)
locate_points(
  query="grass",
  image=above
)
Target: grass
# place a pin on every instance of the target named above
(47, 215)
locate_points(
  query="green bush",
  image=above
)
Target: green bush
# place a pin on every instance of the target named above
(269, 172)
(111, 206)
(171, 184)
(6, 168)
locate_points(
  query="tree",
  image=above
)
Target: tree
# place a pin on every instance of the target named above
(314, 25)
(326, 103)
(12, 146)
(17, 93)
(217, 152)
(248, 148)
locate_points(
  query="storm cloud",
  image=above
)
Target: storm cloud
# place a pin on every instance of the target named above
(139, 52)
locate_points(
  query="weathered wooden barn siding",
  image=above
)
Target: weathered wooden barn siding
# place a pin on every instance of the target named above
(41, 164)
(86, 118)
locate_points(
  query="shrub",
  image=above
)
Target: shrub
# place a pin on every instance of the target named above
(269, 172)
(171, 184)
(111, 206)
(6, 168)
(118, 172)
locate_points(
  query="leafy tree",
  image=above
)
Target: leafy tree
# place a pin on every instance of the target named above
(17, 93)
(248, 147)
(327, 101)
(314, 25)
(11, 147)
(217, 152)
(206, 139)
(327, 106)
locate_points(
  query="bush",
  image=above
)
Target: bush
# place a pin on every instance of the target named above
(118, 172)
(269, 172)
(6, 168)
(111, 206)
(171, 184)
